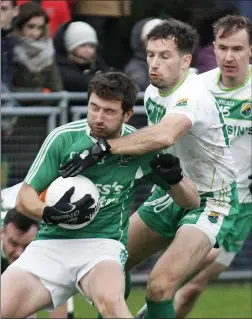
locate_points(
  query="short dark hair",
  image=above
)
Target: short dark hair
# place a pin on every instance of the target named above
(28, 11)
(184, 35)
(22, 222)
(232, 24)
(114, 86)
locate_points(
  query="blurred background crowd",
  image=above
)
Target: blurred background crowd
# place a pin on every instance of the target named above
(53, 46)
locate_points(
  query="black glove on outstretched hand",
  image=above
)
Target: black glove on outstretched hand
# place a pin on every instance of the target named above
(167, 167)
(65, 212)
(250, 185)
(77, 164)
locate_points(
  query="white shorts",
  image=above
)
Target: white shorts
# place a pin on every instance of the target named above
(60, 264)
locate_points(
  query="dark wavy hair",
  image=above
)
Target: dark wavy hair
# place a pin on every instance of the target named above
(114, 86)
(184, 35)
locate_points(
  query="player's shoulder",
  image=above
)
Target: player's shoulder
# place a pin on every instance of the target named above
(151, 92)
(210, 77)
(128, 129)
(68, 131)
(192, 89)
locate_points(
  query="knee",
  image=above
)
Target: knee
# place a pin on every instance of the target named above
(161, 287)
(109, 304)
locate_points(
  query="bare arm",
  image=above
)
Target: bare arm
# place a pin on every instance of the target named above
(29, 203)
(156, 137)
(185, 194)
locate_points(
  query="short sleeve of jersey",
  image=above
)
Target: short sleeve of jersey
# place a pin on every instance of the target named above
(187, 107)
(45, 168)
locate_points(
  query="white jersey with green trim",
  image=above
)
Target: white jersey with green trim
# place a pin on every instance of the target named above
(204, 150)
(236, 104)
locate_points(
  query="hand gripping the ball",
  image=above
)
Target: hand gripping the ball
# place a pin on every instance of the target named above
(77, 164)
(66, 212)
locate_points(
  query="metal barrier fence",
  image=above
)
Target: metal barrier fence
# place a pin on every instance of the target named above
(33, 123)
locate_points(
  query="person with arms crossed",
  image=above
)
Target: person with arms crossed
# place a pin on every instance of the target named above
(185, 118)
(231, 84)
(91, 259)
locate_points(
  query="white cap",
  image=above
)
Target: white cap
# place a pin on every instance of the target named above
(78, 33)
(148, 26)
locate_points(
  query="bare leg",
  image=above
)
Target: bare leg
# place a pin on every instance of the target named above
(186, 296)
(22, 294)
(177, 263)
(104, 285)
(142, 242)
(60, 312)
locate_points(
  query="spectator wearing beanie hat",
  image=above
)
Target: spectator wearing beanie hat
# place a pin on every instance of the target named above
(76, 45)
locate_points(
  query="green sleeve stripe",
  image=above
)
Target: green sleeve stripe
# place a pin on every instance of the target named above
(224, 125)
(127, 126)
(46, 145)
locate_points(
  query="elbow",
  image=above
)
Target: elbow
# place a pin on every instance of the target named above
(164, 141)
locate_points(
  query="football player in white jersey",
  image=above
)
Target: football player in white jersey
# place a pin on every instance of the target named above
(231, 85)
(186, 120)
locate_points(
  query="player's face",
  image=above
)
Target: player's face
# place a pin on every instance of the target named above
(14, 241)
(105, 117)
(34, 28)
(233, 53)
(166, 65)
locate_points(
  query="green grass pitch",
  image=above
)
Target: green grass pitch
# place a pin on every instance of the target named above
(218, 301)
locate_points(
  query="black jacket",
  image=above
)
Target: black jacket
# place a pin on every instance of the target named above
(75, 77)
(7, 45)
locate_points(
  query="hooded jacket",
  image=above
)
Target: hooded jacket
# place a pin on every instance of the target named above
(75, 77)
(137, 68)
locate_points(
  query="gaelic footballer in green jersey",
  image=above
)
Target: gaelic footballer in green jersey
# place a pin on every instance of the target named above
(66, 259)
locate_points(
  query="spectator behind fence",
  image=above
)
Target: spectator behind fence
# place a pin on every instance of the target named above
(137, 67)
(9, 10)
(35, 68)
(57, 11)
(76, 45)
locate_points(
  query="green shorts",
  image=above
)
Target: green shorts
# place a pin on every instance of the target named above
(237, 235)
(215, 216)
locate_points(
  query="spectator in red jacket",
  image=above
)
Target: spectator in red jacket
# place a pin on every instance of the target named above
(57, 11)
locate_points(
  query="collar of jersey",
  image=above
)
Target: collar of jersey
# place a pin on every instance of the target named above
(93, 139)
(175, 87)
(234, 87)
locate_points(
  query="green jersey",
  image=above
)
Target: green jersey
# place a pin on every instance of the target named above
(236, 104)
(115, 177)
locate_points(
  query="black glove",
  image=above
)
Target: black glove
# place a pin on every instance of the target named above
(167, 167)
(250, 185)
(65, 212)
(77, 164)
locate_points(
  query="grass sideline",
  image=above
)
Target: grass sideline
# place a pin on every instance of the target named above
(218, 301)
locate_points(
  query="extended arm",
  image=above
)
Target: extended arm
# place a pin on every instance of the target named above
(156, 137)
